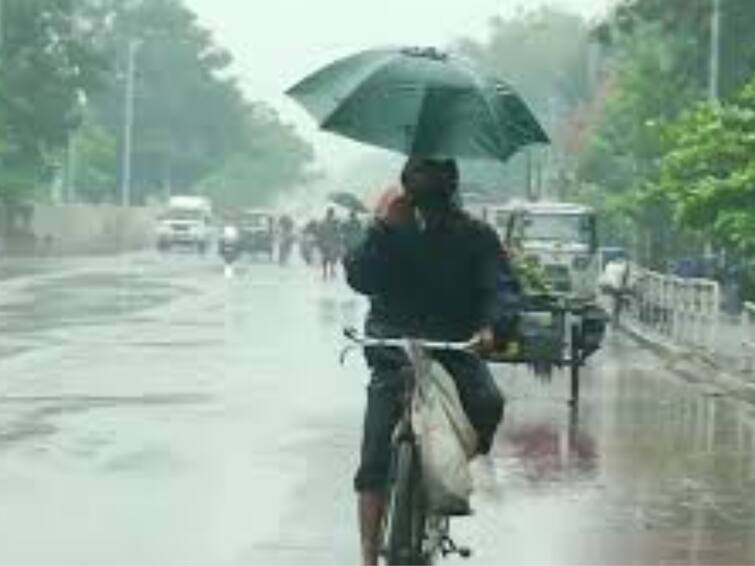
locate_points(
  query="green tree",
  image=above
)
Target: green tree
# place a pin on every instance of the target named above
(275, 158)
(187, 110)
(659, 67)
(708, 171)
(46, 64)
(95, 166)
(652, 83)
(192, 120)
(690, 21)
(544, 54)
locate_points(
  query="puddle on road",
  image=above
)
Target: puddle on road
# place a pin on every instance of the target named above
(37, 412)
(13, 268)
(150, 460)
(546, 452)
(88, 299)
(177, 343)
(24, 430)
(7, 350)
(65, 403)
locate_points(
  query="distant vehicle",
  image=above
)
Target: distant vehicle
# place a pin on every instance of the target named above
(286, 238)
(229, 244)
(480, 208)
(612, 253)
(187, 223)
(694, 267)
(308, 242)
(257, 232)
(562, 237)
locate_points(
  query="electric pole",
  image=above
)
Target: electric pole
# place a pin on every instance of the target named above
(1, 24)
(128, 125)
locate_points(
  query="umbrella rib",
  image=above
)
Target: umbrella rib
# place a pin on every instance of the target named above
(497, 115)
(521, 130)
(412, 145)
(524, 131)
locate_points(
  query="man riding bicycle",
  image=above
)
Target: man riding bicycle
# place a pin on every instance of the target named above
(430, 271)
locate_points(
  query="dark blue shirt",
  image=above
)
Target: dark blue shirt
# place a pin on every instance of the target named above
(440, 282)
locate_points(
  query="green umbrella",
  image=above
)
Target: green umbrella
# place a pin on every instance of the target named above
(419, 102)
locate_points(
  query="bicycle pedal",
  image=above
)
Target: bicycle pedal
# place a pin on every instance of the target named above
(465, 552)
(448, 547)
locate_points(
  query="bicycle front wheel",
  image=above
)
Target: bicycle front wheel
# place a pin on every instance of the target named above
(406, 517)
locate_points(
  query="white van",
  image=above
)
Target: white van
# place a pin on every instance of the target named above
(187, 223)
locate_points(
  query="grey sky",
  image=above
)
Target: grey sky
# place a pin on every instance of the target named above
(277, 42)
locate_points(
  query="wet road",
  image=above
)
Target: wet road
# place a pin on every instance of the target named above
(152, 411)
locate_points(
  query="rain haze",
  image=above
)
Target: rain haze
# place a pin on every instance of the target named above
(478, 290)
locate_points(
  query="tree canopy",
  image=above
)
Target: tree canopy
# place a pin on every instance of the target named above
(62, 60)
(658, 65)
(708, 170)
(45, 66)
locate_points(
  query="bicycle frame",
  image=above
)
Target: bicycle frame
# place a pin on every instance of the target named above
(434, 529)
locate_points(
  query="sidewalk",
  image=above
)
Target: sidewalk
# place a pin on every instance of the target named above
(722, 371)
(730, 351)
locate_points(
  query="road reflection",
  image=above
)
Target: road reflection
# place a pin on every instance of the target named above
(546, 452)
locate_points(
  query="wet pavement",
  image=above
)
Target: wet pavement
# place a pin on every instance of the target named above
(152, 411)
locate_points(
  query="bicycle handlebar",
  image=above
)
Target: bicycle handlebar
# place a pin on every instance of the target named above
(366, 341)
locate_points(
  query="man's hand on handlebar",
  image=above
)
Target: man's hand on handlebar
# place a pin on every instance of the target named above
(472, 345)
(484, 340)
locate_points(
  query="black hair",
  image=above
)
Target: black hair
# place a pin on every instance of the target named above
(444, 171)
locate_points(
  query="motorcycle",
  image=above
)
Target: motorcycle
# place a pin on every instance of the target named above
(284, 249)
(229, 247)
(307, 247)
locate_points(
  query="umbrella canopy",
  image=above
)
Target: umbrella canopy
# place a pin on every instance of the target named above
(419, 102)
(348, 201)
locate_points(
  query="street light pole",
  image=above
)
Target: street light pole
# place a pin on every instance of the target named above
(2, 29)
(70, 191)
(715, 73)
(528, 174)
(128, 125)
(715, 52)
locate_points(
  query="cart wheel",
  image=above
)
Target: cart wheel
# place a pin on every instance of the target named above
(575, 362)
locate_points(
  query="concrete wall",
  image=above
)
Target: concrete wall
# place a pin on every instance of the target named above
(87, 229)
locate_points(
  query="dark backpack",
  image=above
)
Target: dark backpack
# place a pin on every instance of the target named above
(509, 299)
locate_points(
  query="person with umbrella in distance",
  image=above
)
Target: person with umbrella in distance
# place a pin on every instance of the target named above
(329, 243)
(351, 231)
(286, 237)
(308, 241)
(351, 228)
(429, 269)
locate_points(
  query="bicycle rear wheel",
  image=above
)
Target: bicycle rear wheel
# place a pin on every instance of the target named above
(406, 522)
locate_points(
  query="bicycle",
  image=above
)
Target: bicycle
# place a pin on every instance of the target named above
(412, 534)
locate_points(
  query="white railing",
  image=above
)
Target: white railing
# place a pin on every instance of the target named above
(686, 311)
(747, 326)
